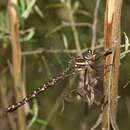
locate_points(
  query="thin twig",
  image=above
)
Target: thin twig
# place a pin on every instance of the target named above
(66, 24)
(57, 103)
(94, 25)
(83, 12)
(109, 88)
(42, 50)
(127, 102)
(126, 85)
(98, 122)
(72, 23)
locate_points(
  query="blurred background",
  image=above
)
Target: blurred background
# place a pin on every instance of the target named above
(51, 33)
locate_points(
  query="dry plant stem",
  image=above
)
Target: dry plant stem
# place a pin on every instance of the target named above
(94, 25)
(93, 46)
(58, 102)
(42, 50)
(24, 84)
(16, 58)
(128, 105)
(72, 23)
(112, 40)
(66, 24)
(98, 122)
(76, 39)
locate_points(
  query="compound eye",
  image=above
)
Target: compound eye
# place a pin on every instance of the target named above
(94, 53)
(89, 51)
(88, 55)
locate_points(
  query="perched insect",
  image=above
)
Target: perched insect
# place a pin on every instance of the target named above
(84, 62)
(93, 73)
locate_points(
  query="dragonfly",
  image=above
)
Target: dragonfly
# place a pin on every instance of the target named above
(84, 62)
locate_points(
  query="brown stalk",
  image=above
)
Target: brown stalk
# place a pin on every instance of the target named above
(112, 40)
(16, 59)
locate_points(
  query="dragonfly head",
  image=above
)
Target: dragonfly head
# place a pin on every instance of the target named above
(89, 55)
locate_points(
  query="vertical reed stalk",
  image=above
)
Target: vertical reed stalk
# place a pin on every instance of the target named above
(112, 40)
(16, 59)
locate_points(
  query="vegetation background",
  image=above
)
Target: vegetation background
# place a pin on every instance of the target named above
(51, 33)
